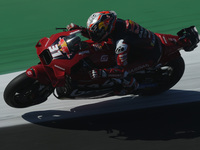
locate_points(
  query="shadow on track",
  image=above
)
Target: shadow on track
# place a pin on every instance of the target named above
(176, 121)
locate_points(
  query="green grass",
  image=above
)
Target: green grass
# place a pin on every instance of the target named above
(24, 22)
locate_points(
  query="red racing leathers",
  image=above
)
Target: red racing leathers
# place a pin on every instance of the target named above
(136, 48)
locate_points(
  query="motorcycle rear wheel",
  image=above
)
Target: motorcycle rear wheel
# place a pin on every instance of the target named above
(164, 83)
(23, 92)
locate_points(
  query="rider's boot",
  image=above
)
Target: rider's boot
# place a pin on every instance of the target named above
(129, 85)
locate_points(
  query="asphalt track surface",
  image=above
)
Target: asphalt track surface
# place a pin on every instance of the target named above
(169, 121)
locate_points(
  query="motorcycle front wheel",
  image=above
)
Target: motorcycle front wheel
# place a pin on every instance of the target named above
(23, 92)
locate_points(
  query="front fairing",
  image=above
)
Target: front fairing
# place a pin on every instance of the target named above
(56, 63)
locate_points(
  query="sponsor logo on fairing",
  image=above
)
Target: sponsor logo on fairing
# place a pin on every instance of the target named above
(55, 51)
(107, 84)
(165, 40)
(29, 73)
(84, 52)
(59, 67)
(138, 68)
(172, 40)
(97, 46)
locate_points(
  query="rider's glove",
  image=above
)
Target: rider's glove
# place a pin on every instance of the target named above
(72, 26)
(97, 73)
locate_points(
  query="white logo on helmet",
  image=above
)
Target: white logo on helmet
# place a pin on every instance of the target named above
(93, 19)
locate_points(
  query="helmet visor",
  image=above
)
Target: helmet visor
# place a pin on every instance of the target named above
(97, 36)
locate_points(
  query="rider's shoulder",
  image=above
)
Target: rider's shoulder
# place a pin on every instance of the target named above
(119, 22)
(120, 25)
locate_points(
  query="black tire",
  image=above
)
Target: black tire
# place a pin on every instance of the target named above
(167, 82)
(23, 92)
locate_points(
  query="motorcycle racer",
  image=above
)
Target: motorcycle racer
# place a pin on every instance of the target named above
(135, 46)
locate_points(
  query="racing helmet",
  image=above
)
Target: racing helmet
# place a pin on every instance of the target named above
(101, 24)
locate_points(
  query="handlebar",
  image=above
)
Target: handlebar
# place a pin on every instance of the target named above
(64, 29)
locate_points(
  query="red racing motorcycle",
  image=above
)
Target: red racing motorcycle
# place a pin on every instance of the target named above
(67, 57)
